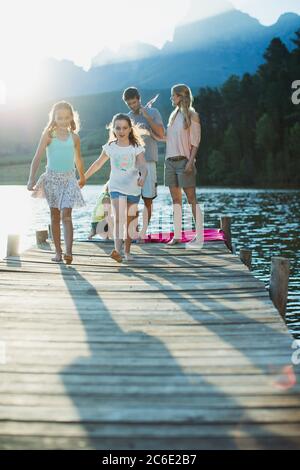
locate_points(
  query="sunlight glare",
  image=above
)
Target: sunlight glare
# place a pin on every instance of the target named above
(2, 92)
(17, 217)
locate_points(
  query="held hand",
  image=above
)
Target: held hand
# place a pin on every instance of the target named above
(141, 181)
(82, 182)
(30, 185)
(189, 167)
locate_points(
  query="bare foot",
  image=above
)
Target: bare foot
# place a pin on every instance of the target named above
(91, 235)
(173, 242)
(115, 255)
(197, 244)
(57, 258)
(140, 241)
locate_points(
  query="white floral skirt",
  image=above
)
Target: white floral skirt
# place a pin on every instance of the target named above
(60, 189)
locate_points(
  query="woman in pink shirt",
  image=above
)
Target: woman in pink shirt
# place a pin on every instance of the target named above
(183, 139)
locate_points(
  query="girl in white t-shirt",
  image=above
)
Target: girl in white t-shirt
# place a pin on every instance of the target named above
(128, 173)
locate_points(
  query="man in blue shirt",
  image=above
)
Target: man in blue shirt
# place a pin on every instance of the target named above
(150, 122)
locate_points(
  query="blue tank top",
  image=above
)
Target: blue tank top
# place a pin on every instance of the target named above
(61, 154)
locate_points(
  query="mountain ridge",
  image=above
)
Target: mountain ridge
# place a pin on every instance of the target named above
(203, 53)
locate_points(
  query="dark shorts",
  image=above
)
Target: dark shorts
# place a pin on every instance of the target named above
(175, 176)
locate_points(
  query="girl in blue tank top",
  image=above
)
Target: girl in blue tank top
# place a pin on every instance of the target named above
(58, 184)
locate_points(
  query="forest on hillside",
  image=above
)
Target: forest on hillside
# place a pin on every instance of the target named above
(251, 127)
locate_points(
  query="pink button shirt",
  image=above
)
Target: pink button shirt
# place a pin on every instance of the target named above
(181, 140)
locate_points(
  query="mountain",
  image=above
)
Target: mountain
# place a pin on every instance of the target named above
(286, 23)
(228, 27)
(203, 53)
(127, 52)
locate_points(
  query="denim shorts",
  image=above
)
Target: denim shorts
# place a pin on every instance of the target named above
(130, 199)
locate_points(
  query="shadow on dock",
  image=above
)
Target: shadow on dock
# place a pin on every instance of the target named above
(136, 402)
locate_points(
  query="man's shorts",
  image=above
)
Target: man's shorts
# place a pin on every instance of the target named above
(149, 191)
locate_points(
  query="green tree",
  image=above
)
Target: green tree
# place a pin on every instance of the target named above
(216, 167)
(294, 150)
(266, 142)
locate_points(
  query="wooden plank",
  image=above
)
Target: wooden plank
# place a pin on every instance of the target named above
(149, 443)
(136, 414)
(142, 399)
(134, 431)
(85, 368)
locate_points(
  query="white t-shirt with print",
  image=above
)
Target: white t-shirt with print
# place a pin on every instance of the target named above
(124, 173)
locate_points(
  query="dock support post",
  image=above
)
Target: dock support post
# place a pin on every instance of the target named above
(279, 283)
(13, 242)
(246, 257)
(226, 227)
(41, 236)
(50, 237)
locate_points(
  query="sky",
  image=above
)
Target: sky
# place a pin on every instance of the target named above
(71, 29)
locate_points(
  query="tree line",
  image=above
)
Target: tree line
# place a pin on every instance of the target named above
(250, 126)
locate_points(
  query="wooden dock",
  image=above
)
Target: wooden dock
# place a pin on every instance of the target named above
(181, 349)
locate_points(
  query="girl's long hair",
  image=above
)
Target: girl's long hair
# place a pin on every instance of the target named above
(135, 138)
(52, 126)
(185, 105)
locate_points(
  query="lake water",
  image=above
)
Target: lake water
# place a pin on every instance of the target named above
(265, 221)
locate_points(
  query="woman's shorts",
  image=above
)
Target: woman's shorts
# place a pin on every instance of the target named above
(130, 199)
(176, 177)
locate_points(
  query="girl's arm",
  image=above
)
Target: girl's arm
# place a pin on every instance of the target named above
(142, 167)
(44, 141)
(79, 161)
(97, 165)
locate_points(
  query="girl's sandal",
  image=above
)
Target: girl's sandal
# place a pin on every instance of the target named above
(68, 259)
(116, 256)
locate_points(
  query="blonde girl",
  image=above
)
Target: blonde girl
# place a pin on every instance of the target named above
(58, 184)
(128, 172)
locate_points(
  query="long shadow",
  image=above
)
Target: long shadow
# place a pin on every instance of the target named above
(188, 306)
(207, 299)
(122, 391)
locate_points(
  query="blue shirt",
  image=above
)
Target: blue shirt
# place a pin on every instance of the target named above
(61, 155)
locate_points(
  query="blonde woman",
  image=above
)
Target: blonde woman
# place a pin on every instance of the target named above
(183, 139)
